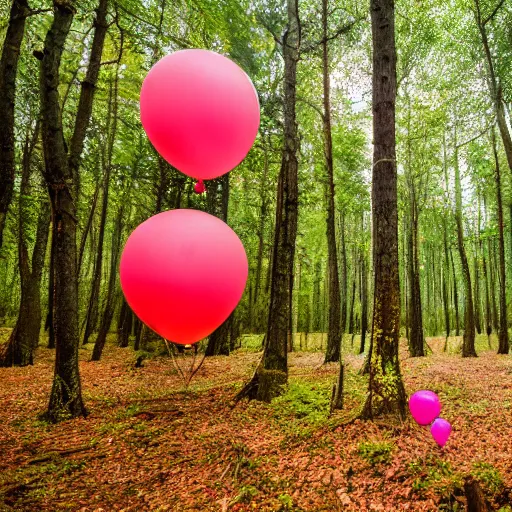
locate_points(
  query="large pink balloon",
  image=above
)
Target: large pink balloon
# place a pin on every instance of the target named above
(200, 111)
(424, 406)
(183, 272)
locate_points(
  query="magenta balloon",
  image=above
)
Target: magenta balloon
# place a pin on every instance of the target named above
(424, 406)
(200, 111)
(440, 431)
(183, 272)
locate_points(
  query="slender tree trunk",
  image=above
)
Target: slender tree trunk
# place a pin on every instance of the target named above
(488, 318)
(218, 341)
(344, 285)
(124, 326)
(25, 336)
(503, 343)
(446, 274)
(108, 312)
(364, 302)
(272, 373)
(110, 302)
(386, 392)
(261, 231)
(51, 293)
(417, 340)
(87, 228)
(468, 340)
(8, 69)
(455, 297)
(495, 88)
(333, 334)
(91, 322)
(476, 287)
(492, 271)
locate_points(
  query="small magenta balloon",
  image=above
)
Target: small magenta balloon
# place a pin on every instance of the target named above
(441, 430)
(425, 406)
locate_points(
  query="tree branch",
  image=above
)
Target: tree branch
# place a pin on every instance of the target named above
(493, 13)
(342, 30)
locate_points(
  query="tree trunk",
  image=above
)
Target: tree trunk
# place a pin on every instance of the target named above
(364, 302)
(446, 273)
(110, 302)
(61, 175)
(218, 341)
(495, 88)
(272, 373)
(386, 392)
(8, 69)
(417, 340)
(476, 501)
(455, 296)
(124, 326)
(343, 275)
(503, 343)
(87, 228)
(333, 334)
(468, 340)
(91, 322)
(25, 336)
(476, 294)
(108, 312)
(492, 272)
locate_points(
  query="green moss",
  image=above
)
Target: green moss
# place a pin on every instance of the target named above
(376, 452)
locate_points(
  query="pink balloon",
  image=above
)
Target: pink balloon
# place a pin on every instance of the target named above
(183, 272)
(440, 431)
(424, 406)
(200, 111)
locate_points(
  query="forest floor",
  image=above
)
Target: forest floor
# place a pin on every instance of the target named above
(149, 445)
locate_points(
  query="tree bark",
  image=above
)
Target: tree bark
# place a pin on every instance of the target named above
(108, 312)
(468, 340)
(344, 281)
(272, 373)
(61, 175)
(386, 392)
(364, 302)
(218, 341)
(503, 342)
(334, 313)
(87, 90)
(8, 70)
(493, 81)
(446, 273)
(66, 396)
(124, 326)
(25, 336)
(416, 340)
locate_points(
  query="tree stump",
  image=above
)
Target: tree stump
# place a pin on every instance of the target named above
(474, 496)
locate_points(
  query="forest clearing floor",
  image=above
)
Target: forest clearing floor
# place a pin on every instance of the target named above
(149, 445)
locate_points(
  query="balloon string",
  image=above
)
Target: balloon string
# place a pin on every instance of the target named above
(191, 372)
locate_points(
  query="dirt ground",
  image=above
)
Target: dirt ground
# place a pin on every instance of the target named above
(148, 444)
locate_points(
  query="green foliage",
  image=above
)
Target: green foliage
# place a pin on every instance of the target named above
(488, 476)
(245, 494)
(286, 502)
(435, 474)
(305, 401)
(376, 452)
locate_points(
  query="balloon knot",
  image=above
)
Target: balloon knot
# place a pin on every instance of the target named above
(199, 187)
